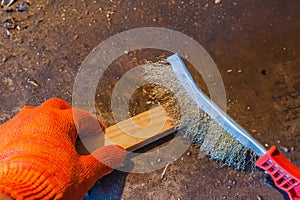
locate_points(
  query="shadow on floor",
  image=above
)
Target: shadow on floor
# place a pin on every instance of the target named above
(110, 187)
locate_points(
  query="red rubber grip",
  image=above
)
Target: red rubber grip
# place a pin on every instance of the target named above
(285, 174)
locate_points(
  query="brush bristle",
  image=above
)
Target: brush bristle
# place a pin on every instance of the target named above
(192, 121)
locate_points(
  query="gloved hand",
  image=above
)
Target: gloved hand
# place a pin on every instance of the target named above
(38, 159)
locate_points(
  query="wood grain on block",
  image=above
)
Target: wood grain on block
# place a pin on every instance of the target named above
(140, 130)
(132, 133)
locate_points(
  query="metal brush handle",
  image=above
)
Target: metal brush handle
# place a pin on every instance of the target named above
(209, 107)
(286, 176)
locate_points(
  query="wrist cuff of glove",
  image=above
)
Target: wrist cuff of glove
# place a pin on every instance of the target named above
(26, 184)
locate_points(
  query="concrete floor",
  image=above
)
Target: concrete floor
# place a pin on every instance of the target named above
(41, 52)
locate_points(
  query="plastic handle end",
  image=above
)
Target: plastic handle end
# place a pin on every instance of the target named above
(285, 174)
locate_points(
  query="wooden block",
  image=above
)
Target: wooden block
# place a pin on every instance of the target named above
(133, 133)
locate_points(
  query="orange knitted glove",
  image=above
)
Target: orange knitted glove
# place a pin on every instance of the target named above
(38, 159)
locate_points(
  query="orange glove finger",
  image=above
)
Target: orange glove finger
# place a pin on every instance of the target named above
(90, 131)
(101, 162)
(55, 103)
(25, 110)
(86, 124)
